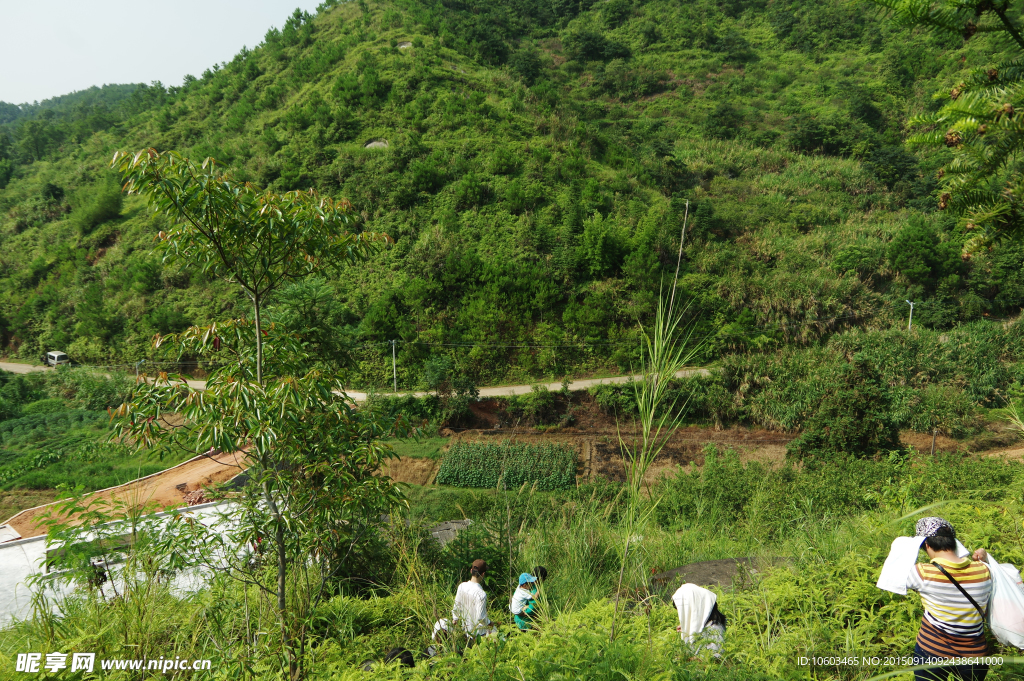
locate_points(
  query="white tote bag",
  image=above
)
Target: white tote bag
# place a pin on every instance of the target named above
(1006, 609)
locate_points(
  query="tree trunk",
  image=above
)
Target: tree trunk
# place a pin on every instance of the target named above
(282, 573)
(259, 340)
(282, 583)
(279, 538)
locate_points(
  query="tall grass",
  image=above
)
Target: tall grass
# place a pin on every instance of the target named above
(819, 538)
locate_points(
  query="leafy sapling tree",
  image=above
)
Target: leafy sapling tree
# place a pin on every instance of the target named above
(254, 238)
(981, 123)
(313, 491)
(312, 458)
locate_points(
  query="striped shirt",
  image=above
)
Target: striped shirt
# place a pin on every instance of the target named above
(952, 626)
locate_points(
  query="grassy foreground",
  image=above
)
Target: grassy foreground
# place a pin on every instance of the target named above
(831, 524)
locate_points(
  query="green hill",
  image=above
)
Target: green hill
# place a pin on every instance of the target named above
(532, 162)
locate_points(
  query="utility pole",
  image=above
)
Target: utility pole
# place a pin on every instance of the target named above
(394, 370)
(911, 320)
(935, 431)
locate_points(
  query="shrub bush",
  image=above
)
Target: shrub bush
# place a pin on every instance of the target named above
(855, 417)
(537, 407)
(85, 389)
(726, 491)
(96, 206)
(48, 406)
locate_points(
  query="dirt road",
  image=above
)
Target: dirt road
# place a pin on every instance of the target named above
(15, 368)
(506, 390)
(497, 391)
(159, 491)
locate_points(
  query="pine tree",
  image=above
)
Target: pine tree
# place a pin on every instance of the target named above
(980, 124)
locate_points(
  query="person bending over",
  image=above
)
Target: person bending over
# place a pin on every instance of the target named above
(524, 602)
(701, 623)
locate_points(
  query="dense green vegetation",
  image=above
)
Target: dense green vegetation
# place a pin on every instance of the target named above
(55, 432)
(976, 124)
(954, 381)
(535, 164)
(538, 165)
(833, 525)
(544, 467)
(922, 380)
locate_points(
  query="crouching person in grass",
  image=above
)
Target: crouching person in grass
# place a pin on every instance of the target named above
(701, 623)
(524, 602)
(955, 592)
(470, 609)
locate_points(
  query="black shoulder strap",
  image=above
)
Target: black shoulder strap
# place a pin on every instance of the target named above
(962, 590)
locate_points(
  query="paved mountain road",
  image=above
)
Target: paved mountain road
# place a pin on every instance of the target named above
(499, 391)
(581, 384)
(21, 368)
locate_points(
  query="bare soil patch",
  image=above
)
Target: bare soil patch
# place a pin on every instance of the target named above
(922, 442)
(1016, 454)
(161, 491)
(600, 455)
(485, 413)
(595, 434)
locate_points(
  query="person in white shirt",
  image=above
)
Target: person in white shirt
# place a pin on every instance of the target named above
(470, 609)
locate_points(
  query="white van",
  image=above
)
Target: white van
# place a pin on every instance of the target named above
(54, 358)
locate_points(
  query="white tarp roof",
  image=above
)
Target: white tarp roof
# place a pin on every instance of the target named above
(22, 558)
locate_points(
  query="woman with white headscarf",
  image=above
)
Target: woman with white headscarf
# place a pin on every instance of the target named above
(701, 623)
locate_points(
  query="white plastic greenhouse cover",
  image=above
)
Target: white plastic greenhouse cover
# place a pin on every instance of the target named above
(22, 558)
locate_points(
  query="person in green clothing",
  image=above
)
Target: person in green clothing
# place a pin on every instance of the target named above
(524, 601)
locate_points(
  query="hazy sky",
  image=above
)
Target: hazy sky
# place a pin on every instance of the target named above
(53, 47)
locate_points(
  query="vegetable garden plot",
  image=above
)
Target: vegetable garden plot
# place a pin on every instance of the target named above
(476, 464)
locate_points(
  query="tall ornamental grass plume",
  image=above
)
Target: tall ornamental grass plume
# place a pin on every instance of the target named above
(667, 349)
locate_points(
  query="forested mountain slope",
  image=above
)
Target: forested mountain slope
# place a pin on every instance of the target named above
(532, 162)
